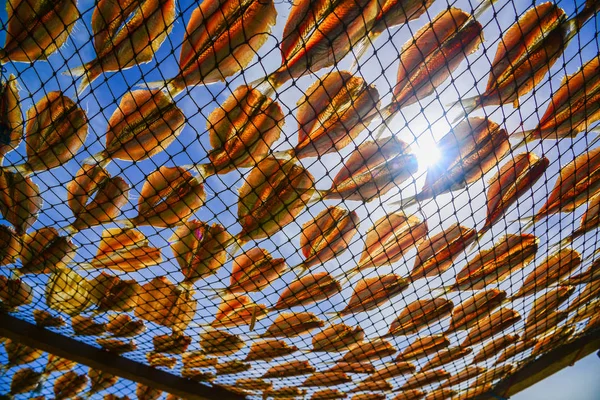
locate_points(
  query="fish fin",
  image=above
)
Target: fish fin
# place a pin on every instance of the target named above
(165, 85)
(387, 115)
(333, 316)
(285, 154)
(359, 50)
(345, 277)
(524, 138)
(405, 202)
(318, 195)
(529, 222)
(264, 85)
(22, 169)
(561, 244)
(443, 290)
(203, 171)
(468, 105)
(98, 158)
(126, 222)
(88, 74)
(595, 130)
(483, 6)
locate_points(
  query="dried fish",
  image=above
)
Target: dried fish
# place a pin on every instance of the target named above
(197, 359)
(20, 200)
(126, 35)
(86, 326)
(511, 253)
(337, 338)
(435, 255)
(144, 392)
(326, 379)
(410, 394)
(468, 372)
(125, 250)
(267, 350)
(542, 326)
(35, 30)
(200, 249)
(56, 364)
(197, 375)
(372, 170)
(422, 379)
(391, 370)
(370, 293)
(11, 119)
(24, 380)
(514, 179)
(371, 350)
(420, 314)
(445, 356)
(44, 251)
(473, 393)
(548, 302)
(327, 236)
(490, 325)
(69, 385)
(10, 245)
(14, 293)
(328, 394)
(273, 195)
(175, 343)
(369, 396)
(100, 380)
(145, 124)
(308, 290)
(164, 303)
(495, 346)
(363, 367)
(110, 194)
(220, 343)
(116, 346)
(422, 347)
(590, 220)
(254, 384)
(440, 394)
(68, 292)
(160, 360)
(232, 367)
(372, 386)
(469, 312)
(589, 292)
(44, 319)
(292, 324)
(254, 270)
(515, 349)
(235, 313)
(333, 112)
(19, 354)
(492, 375)
(290, 368)
(589, 275)
(285, 392)
(123, 325)
(587, 311)
(113, 294)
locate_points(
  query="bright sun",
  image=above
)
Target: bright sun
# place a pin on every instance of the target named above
(427, 153)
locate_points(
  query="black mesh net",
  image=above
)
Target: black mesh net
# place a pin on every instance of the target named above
(349, 198)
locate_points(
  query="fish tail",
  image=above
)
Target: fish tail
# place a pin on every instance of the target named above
(301, 270)
(235, 247)
(444, 289)
(85, 266)
(285, 155)
(87, 72)
(128, 223)
(317, 196)
(524, 137)
(483, 6)
(406, 202)
(334, 316)
(561, 244)
(347, 276)
(203, 171)
(167, 85)
(468, 105)
(98, 158)
(359, 50)
(387, 114)
(529, 222)
(23, 169)
(595, 130)
(477, 241)
(265, 85)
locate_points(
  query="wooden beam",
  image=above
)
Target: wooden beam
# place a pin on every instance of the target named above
(64, 346)
(541, 368)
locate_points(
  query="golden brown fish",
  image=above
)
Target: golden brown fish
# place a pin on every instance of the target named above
(472, 392)
(372, 170)
(14, 293)
(167, 304)
(337, 338)
(548, 303)
(328, 394)
(285, 392)
(435, 255)
(372, 350)
(387, 240)
(292, 324)
(100, 380)
(440, 394)
(232, 367)
(56, 364)
(11, 120)
(587, 311)
(197, 359)
(491, 325)
(69, 384)
(494, 346)
(19, 354)
(410, 394)
(327, 236)
(445, 356)
(493, 375)
(125, 250)
(543, 325)
(470, 150)
(334, 111)
(221, 39)
(44, 319)
(370, 293)
(423, 346)
(168, 198)
(589, 275)
(515, 349)
(290, 368)
(589, 292)
(20, 200)
(391, 370)
(267, 350)
(422, 379)
(469, 312)
(511, 253)
(86, 326)
(44, 251)
(10, 245)
(253, 384)
(36, 29)
(372, 386)
(326, 379)
(363, 367)
(590, 220)
(420, 314)
(144, 392)
(110, 293)
(220, 343)
(126, 34)
(116, 346)
(122, 325)
(555, 339)
(233, 313)
(145, 124)
(24, 380)
(160, 360)
(308, 290)
(68, 292)
(468, 372)
(254, 270)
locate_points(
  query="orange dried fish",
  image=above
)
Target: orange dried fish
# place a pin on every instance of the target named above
(446, 356)
(20, 200)
(589, 275)
(36, 29)
(19, 354)
(220, 343)
(290, 368)
(469, 312)
(490, 325)
(116, 346)
(372, 170)
(254, 384)
(86, 326)
(241, 131)
(110, 194)
(319, 35)
(495, 346)
(267, 350)
(388, 240)
(200, 249)
(440, 394)
(327, 236)
(526, 52)
(337, 338)
(543, 325)
(587, 311)
(10, 245)
(435, 255)
(371, 350)
(557, 338)
(590, 220)
(363, 367)
(197, 359)
(515, 349)
(168, 198)
(56, 129)
(422, 347)
(56, 363)
(551, 270)
(410, 394)
(273, 195)
(420, 314)
(370, 293)
(175, 343)
(548, 303)
(11, 120)
(125, 250)
(14, 293)
(472, 392)
(69, 385)
(44, 251)
(123, 325)
(334, 111)
(514, 179)
(44, 319)
(292, 324)
(511, 253)
(197, 375)
(572, 108)
(164, 303)
(68, 292)
(126, 34)
(119, 295)
(233, 313)
(24, 380)
(328, 394)
(285, 392)
(471, 149)
(308, 290)
(254, 270)
(326, 379)
(232, 367)
(492, 375)
(391, 370)
(100, 380)
(422, 379)
(144, 392)
(468, 372)
(372, 386)
(221, 39)
(589, 292)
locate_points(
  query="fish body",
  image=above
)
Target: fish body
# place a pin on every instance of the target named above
(515, 349)
(543, 325)
(122, 325)
(493, 375)
(371, 350)
(490, 325)
(14, 293)
(548, 302)
(363, 367)
(232, 367)
(555, 339)
(36, 29)
(326, 379)
(220, 343)
(289, 325)
(589, 292)
(267, 350)
(125, 250)
(10, 245)
(233, 313)
(197, 359)
(589, 275)
(391, 370)
(445, 356)
(337, 338)
(372, 386)
(470, 311)
(372, 170)
(45, 251)
(24, 380)
(422, 379)
(11, 120)
(410, 394)
(290, 368)
(254, 384)
(69, 384)
(422, 347)
(20, 200)
(370, 293)
(420, 314)
(590, 220)
(468, 372)
(494, 346)
(398, 12)
(254, 270)
(308, 290)
(328, 394)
